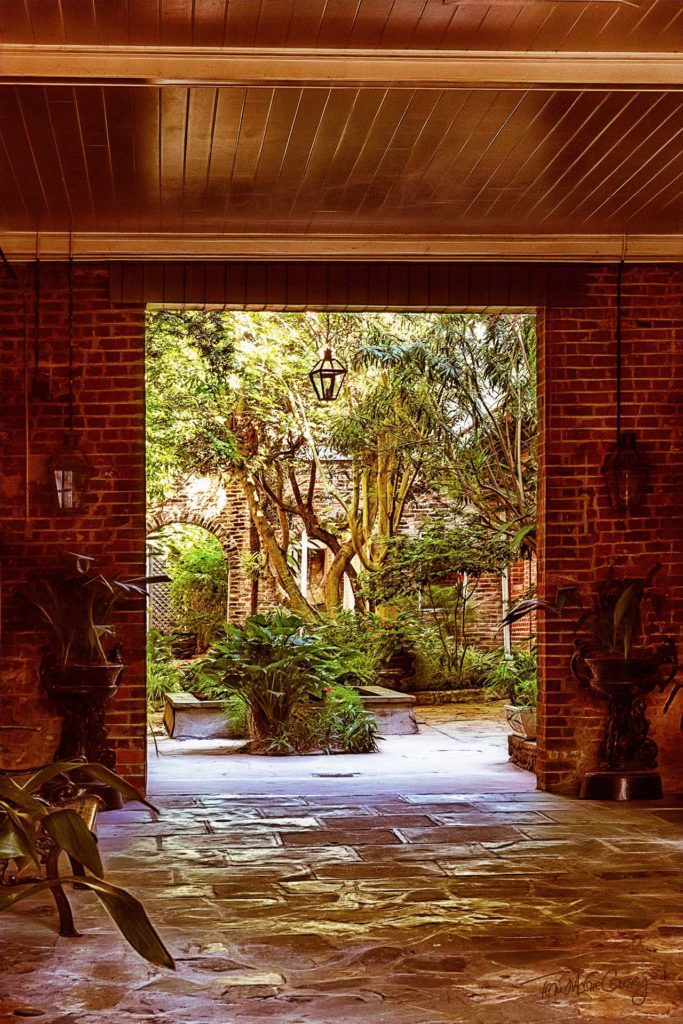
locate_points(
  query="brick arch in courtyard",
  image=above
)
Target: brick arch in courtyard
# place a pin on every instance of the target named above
(221, 511)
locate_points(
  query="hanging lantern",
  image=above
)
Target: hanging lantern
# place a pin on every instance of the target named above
(70, 473)
(626, 471)
(327, 377)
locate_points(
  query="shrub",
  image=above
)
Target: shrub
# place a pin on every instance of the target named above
(199, 588)
(162, 674)
(515, 678)
(282, 676)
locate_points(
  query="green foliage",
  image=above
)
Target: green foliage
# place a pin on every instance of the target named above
(338, 722)
(514, 678)
(162, 674)
(444, 550)
(356, 657)
(76, 603)
(609, 619)
(25, 816)
(274, 664)
(282, 676)
(200, 585)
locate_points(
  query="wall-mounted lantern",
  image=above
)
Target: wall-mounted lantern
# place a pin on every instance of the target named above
(69, 471)
(327, 377)
(70, 474)
(625, 467)
(626, 471)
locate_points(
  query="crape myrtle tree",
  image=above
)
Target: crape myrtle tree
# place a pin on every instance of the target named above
(229, 395)
(433, 402)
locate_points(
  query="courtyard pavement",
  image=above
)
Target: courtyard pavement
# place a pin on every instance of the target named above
(426, 884)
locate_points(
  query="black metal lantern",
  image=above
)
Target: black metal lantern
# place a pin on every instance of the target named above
(70, 474)
(626, 471)
(625, 467)
(327, 377)
(69, 471)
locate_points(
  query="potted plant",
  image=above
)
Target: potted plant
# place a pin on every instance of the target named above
(396, 644)
(514, 678)
(81, 663)
(608, 659)
(34, 829)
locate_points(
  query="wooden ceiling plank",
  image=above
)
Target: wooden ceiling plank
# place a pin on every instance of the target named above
(16, 22)
(273, 23)
(177, 23)
(146, 127)
(124, 157)
(44, 158)
(209, 19)
(172, 140)
(305, 23)
(494, 167)
(144, 21)
(79, 20)
(71, 163)
(627, 144)
(46, 21)
(242, 22)
(202, 112)
(590, 142)
(564, 136)
(664, 169)
(368, 23)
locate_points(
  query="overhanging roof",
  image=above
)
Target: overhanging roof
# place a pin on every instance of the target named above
(337, 130)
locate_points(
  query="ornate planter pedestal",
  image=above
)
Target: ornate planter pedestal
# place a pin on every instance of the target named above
(628, 754)
(81, 694)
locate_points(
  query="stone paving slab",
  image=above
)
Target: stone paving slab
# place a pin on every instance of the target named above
(401, 900)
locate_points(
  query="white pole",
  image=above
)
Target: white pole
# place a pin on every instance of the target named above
(303, 568)
(505, 592)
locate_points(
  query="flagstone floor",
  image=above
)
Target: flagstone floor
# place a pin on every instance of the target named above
(427, 884)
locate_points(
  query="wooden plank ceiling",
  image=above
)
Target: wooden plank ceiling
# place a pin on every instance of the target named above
(135, 169)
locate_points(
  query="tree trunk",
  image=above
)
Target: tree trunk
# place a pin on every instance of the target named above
(335, 574)
(290, 590)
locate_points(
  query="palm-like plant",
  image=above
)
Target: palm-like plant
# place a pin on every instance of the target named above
(274, 662)
(28, 821)
(76, 603)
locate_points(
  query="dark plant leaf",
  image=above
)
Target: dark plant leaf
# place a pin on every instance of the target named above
(69, 831)
(127, 913)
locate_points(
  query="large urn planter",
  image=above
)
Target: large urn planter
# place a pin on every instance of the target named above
(81, 694)
(521, 720)
(628, 753)
(74, 603)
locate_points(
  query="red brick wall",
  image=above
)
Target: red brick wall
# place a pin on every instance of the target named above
(579, 534)
(109, 369)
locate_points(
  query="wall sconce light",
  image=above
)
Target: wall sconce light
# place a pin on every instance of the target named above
(626, 468)
(327, 377)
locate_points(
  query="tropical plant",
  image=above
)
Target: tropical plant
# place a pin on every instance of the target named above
(76, 603)
(274, 663)
(27, 820)
(514, 678)
(613, 619)
(200, 584)
(162, 674)
(338, 722)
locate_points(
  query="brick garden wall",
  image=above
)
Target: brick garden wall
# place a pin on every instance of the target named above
(109, 373)
(579, 534)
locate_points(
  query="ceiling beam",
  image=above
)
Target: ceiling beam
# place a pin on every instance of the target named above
(167, 246)
(213, 66)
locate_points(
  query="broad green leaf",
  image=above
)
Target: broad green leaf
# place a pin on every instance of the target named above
(127, 913)
(66, 827)
(15, 796)
(45, 774)
(109, 778)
